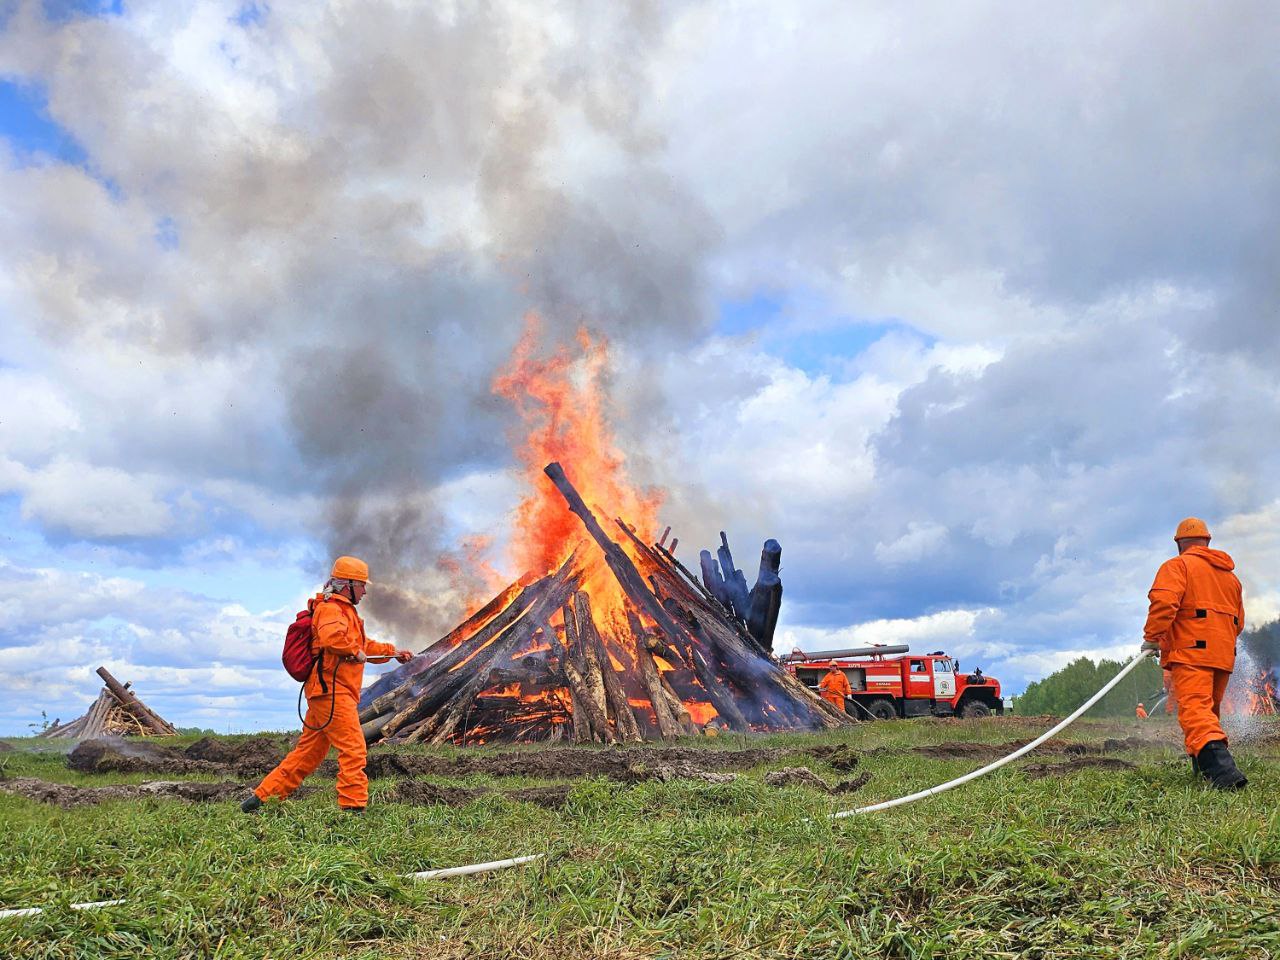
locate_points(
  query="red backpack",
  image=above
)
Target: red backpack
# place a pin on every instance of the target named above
(300, 661)
(297, 657)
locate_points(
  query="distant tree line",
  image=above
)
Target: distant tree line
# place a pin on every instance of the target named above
(1063, 691)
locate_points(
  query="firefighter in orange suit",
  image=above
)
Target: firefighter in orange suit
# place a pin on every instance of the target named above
(333, 692)
(834, 687)
(1141, 712)
(1196, 614)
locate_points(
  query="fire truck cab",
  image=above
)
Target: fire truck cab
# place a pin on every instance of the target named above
(886, 686)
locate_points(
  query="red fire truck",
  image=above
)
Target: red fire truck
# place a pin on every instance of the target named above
(886, 685)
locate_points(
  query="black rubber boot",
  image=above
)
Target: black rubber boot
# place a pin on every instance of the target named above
(354, 809)
(250, 803)
(1219, 766)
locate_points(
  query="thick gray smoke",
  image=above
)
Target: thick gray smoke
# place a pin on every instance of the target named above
(1262, 645)
(359, 204)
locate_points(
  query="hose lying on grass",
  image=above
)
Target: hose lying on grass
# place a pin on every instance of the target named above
(32, 911)
(1021, 751)
(473, 868)
(423, 875)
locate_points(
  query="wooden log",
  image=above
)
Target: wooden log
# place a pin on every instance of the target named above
(95, 719)
(734, 581)
(578, 717)
(402, 677)
(439, 690)
(712, 579)
(751, 671)
(765, 599)
(583, 731)
(446, 677)
(565, 582)
(586, 662)
(372, 728)
(676, 706)
(624, 721)
(153, 721)
(685, 585)
(443, 724)
(589, 658)
(740, 653)
(633, 586)
(459, 654)
(596, 721)
(668, 726)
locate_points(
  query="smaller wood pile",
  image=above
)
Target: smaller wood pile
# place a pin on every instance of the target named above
(116, 711)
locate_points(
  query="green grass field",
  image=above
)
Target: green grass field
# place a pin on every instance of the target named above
(1133, 862)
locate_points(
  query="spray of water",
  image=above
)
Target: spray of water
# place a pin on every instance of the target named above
(1244, 726)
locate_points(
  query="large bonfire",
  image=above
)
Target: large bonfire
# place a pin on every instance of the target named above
(606, 637)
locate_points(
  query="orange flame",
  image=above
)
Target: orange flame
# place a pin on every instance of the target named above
(563, 409)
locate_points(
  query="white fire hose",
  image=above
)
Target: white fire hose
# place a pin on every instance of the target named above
(422, 875)
(1021, 751)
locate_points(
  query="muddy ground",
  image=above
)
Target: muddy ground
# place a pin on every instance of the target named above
(623, 766)
(420, 793)
(67, 796)
(254, 756)
(1038, 771)
(966, 750)
(804, 777)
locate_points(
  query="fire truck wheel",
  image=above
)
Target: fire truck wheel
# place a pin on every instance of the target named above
(882, 710)
(975, 710)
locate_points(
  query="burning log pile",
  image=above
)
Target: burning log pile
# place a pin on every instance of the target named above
(116, 711)
(1263, 699)
(620, 643)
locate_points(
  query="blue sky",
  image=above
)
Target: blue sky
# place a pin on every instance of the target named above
(967, 338)
(26, 125)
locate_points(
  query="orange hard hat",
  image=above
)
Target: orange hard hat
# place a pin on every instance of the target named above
(350, 568)
(1192, 527)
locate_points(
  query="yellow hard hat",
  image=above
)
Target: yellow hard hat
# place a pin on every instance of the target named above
(1192, 527)
(350, 568)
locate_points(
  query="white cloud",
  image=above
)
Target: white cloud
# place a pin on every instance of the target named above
(920, 541)
(89, 501)
(952, 630)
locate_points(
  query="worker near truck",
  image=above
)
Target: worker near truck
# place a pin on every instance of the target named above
(834, 687)
(1196, 613)
(332, 689)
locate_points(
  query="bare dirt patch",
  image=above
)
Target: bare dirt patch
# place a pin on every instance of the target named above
(248, 757)
(1040, 770)
(68, 796)
(252, 755)
(804, 777)
(420, 793)
(257, 755)
(567, 763)
(117, 755)
(965, 750)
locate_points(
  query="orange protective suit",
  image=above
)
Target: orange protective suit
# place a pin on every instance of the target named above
(1196, 614)
(1141, 712)
(834, 687)
(337, 636)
